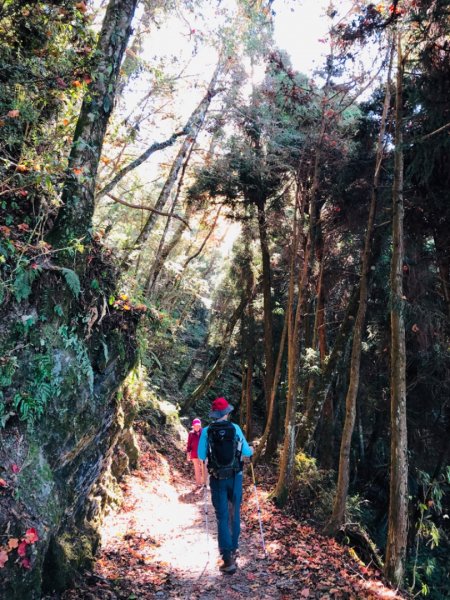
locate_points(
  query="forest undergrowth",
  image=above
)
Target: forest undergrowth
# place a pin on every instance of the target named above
(157, 544)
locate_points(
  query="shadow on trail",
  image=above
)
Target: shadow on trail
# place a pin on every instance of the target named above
(192, 497)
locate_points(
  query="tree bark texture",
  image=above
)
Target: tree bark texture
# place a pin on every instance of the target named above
(398, 487)
(74, 219)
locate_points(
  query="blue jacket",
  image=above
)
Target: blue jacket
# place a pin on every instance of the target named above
(202, 449)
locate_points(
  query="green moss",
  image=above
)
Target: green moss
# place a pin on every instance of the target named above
(69, 554)
(37, 487)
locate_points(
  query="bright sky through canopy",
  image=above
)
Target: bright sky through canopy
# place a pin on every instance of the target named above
(299, 25)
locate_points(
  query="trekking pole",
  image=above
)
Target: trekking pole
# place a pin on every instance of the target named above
(205, 497)
(259, 511)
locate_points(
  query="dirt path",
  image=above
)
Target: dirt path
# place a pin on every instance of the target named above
(163, 543)
(157, 546)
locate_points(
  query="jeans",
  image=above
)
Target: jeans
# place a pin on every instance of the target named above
(226, 496)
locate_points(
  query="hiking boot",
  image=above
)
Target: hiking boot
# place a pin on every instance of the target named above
(228, 566)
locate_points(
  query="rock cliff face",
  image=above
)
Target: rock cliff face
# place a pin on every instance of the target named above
(65, 429)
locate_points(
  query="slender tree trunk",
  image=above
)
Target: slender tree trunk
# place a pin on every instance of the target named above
(338, 514)
(293, 332)
(321, 388)
(197, 120)
(74, 219)
(150, 279)
(164, 193)
(247, 337)
(319, 340)
(249, 343)
(267, 302)
(217, 368)
(269, 420)
(140, 160)
(162, 253)
(242, 414)
(169, 247)
(325, 449)
(326, 446)
(249, 398)
(320, 334)
(268, 428)
(398, 488)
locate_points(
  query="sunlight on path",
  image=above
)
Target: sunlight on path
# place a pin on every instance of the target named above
(156, 546)
(166, 516)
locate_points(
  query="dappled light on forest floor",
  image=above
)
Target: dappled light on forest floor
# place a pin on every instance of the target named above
(157, 545)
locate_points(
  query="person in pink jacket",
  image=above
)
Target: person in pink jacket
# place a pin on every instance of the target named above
(192, 445)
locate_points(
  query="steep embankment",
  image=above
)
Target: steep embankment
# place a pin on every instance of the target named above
(157, 545)
(66, 351)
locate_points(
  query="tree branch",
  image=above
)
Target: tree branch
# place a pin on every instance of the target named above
(428, 135)
(139, 160)
(149, 208)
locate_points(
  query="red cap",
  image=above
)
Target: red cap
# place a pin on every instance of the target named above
(219, 408)
(219, 404)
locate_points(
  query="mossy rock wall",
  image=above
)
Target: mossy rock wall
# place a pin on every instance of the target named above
(59, 464)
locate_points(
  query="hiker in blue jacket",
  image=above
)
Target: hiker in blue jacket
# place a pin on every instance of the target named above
(224, 445)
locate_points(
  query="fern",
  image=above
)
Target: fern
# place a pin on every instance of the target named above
(72, 280)
(22, 283)
(22, 286)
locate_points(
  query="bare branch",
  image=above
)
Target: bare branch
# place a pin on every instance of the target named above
(139, 160)
(436, 131)
(149, 208)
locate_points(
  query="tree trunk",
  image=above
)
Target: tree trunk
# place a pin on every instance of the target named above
(151, 279)
(398, 488)
(249, 343)
(269, 420)
(267, 302)
(217, 368)
(321, 388)
(196, 123)
(319, 340)
(164, 251)
(242, 414)
(205, 239)
(325, 448)
(249, 398)
(338, 514)
(293, 332)
(140, 160)
(74, 219)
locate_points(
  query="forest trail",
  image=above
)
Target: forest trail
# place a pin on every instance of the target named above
(156, 545)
